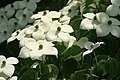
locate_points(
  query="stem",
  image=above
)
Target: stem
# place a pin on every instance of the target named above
(95, 58)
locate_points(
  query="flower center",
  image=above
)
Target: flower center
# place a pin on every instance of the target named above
(69, 10)
(24, 15)
(2, 16)
(44, 13)
(17, 32)
(5, 32)
(27, 0)
(95, 18)
(15, 23)
(3, 64)
(58, 29)
(55, 19)
(109, 22)
(12, 5)
(40, 47)
(36, 28)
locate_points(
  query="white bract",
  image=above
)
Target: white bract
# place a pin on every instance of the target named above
(5, 32)
(3, 18)
(114, 9)
(24, 17)
(59, 32)
(11, 78)
(6, 65)
(19, 35)
(91, 46)
(89, 22)
(71, 9)
(9, 10)
(35, 50)
(85, 43)
(107, 25)
(29, 4)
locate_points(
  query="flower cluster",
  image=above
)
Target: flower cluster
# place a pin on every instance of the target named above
(16, 16)
(103, 22)
(37, 40)
(6, 68)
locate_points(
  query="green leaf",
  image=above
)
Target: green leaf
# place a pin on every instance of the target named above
(80, 75)
(28, 75)
(70, 66)
(53, 71)
(72, 51)
(113, 68)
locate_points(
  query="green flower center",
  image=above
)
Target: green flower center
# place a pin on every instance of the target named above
(95, 18)
(2, 16)
(69, 10)
(24, 15)
(44, 13)
(12, 5)
(40, 47)
(109, 22)
(3, 64)
(5, 32)
(36, 28)
(58, 29)
(27, 0)
(15, 23)
(17, 32)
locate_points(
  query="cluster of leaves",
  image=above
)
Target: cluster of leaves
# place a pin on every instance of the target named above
(103, 63)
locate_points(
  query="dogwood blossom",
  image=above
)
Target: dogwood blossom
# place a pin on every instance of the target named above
(91, 46)
(9, 10)
(6, 65)
(107, 25)
(19, 35)
(85, 43)
(23, 17)
(11, 78)
(5, 32)
(59, 32)
(29, 4)
(89, 22)
(35, 50)
(71, 9)
(114, 9)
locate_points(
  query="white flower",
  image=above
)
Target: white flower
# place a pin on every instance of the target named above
(5, 32)
(64, 19)
(24, 17)
(59, 32)
(35, 50)
(6, 65)
(70, 42)
(85, 43)
(3, 18)
(107, 25)
(89, 22)
(11, 78)
(71, 9)
(91, 46)
(9, 10)
(35, 31)
(13, 22)
(114, 9)
(29, 4)
(19, 35)
(81, 42)
(39, 14)
(50, 16)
